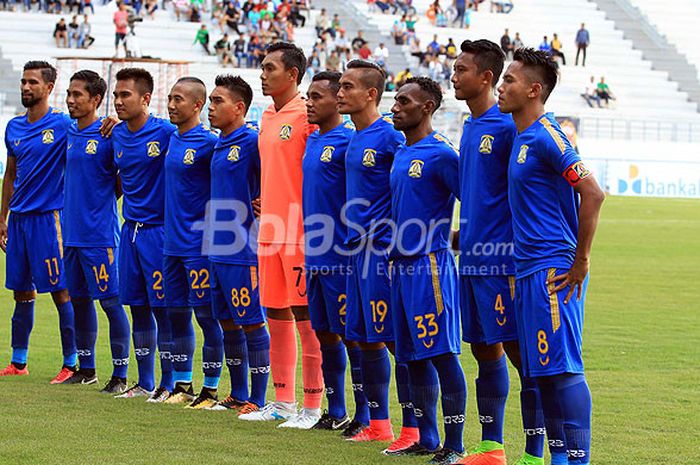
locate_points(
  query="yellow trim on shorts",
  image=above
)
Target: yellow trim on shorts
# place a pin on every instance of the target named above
(553, 301)
(110, 255)
(59, 233)
(253, 277)
(511, 285)
(437, 290)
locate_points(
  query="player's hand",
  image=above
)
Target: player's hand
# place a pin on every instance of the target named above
(257, 207)
(108, 125)
(3, 236)
(574, 278)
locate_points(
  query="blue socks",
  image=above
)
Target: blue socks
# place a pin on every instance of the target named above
(165, 347)
(258, 345)
(85, 331)
(533, 419)
(574, 398)
(183, 343)
(554, 422)
(118, 335)
(454, 399)
(408, 417)
(334, 366)
(22, 323)
(213, 348)
(361, 409)
(492, 388)
(376, 374)
(236, 353)
(424, 390)
(66, 322)
(144, 334)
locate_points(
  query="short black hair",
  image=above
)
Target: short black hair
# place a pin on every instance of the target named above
(94, 84)
(371, 80)
(141, 77)
(48, 72)
(236, 85)
(292, 57)
(202, 95)
(543, 66)
(428, 86)
(488, 56)
(333, 78)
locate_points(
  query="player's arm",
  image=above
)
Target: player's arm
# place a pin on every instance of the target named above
(118, 187)
(8, 187)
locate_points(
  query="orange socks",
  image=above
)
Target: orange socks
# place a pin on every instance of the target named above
(283, 359)
(311, 365)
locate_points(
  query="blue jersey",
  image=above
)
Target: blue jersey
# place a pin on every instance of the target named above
(323, 193)
(235, 183)
(424, 184)
(187, 187)
(544, 204)
(368, 161)
(138, 156)
(40, 150)
(485, 219)
(90, 217)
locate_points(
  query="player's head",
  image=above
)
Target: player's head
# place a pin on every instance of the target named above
(477, 68)
(186, 99)
(361, 85)
(229, 101)
(38, 80)
(85, 93)
(415, 102)
(322, 102)
(132, 93)
(282, 68)
(531, 78)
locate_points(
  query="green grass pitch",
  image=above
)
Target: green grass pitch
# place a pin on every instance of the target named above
(642, 349)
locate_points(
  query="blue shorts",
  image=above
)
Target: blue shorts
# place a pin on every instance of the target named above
(425, 306)
(235, 294)
(35, 252)
(369, 298)
(327, 298)
(92, 272)
(186, 281)
(141, 265)
(549, 330)
(488, 309)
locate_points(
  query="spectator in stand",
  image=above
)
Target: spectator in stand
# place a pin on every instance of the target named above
(436, 14)
(313, 64)
(254, 51)
(322, 23)
(121, 24)
(544, 46)
(84, 5)
(231, 17)
(364, 51)
(74, 32)
(202, 38)
(381, 55)
(450, 49)
(333, 61)
(150, 7)
(415, 49)
(239, 51)
(86, 39)
(358, 42)
(411, 21)
(507, 45)
(335, 25)
(590, 93)
(517, 42)
(341, 42)
(398, 31)
(436, 70)
(603, 91)
(60, 33)
(434, 46)
(460, 7)
(501, 6)
(296, 17)
(222, 49)
(583, 39)
(401, 77)
(182, 7)
(555, 51)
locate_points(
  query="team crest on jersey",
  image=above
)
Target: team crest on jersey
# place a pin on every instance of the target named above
(234, 153)
(153, 148)
(369, 158)
(91, 147)
(286, 132)
(522, 155)
(47, 136)
(189, 157)
(416, 168)
(486, 144)
(327, 154)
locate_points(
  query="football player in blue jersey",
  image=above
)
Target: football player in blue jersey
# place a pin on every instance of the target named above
(323, 197)
(231, 243)
(487, 281)
(32, 196)
(91, 232)
(140, 144)
(185, 269)
(368, 161)
(424, 290)
(555, 203)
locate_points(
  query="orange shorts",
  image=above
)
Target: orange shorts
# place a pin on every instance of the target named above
(282, 275)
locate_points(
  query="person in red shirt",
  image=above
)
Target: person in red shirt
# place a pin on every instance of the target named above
(121, 23)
